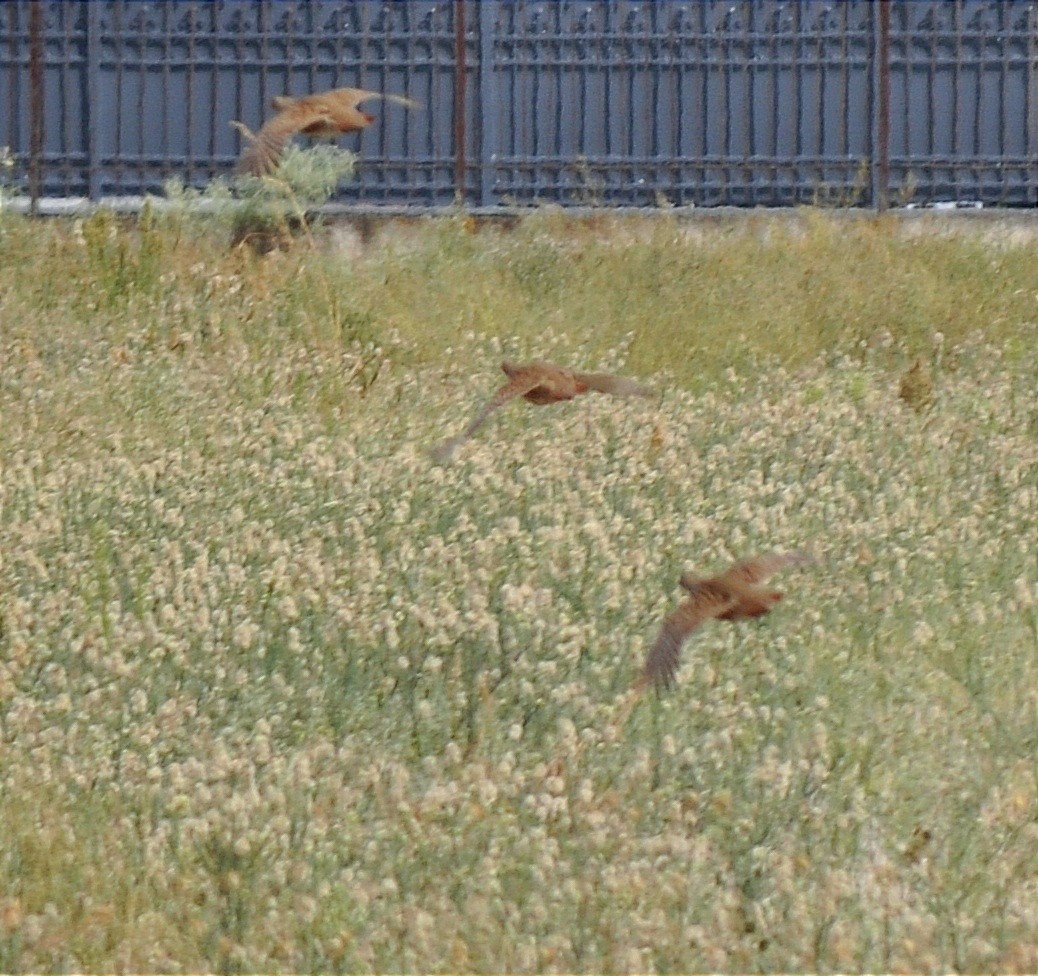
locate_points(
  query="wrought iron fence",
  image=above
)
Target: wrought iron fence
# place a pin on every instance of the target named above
(613, 102)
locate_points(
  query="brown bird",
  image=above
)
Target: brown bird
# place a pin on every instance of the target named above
(331, 113)
(733, 595)
(542, 383)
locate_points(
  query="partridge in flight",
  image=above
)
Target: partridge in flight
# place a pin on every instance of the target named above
(733, 595)
(331, 113)
(542, 383)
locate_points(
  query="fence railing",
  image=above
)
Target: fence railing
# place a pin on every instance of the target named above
(613, 102)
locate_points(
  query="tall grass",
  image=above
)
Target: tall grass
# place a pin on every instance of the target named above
(277, 693)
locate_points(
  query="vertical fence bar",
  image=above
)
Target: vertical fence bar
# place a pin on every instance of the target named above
(805, 150)
(35, 104)
(460, 79)
(488, 101)
(118, 35)
(1031, 98)
(1003, 74)
(188, 152)
(92, 104)
(956, 101)
(13, 76)
(881, 106)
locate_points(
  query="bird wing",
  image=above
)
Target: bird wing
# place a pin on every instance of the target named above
(545, 372)
(615, 385)
(516, 387)
(341, 101)
(317, 123)
(759, 568)
(362, 96)
(661, 665)
(264, 151)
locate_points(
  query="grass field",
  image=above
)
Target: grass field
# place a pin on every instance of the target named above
(277, 693)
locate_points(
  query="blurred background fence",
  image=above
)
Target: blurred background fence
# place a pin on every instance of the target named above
(596, 102)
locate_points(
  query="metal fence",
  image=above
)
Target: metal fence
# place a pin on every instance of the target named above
(614, 102)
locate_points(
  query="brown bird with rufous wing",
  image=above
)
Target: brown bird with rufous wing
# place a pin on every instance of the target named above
(330, 113)
(735, 594)
(542, 383)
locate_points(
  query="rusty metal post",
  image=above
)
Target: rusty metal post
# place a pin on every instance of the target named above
(881, 108)
(35, 105)
(460, 70)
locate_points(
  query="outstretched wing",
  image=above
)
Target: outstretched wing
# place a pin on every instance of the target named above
(265, 147)
(615, 385)
(663, 659)
(516, 387)
(341, 109)
(362, 96)
(759, 568)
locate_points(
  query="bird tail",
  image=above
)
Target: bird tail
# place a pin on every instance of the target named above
(614, 385)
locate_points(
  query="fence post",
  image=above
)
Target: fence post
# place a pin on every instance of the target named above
(460, 81)
(93, 99)
(881, 105)
(35, 105)
(488, 107)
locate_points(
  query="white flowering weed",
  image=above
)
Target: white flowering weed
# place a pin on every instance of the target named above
(277, 692)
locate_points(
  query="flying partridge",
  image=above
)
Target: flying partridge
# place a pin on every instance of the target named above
(733, 595)
(542, 383)
(331, 113)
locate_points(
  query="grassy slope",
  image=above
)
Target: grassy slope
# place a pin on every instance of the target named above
(278, 693)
